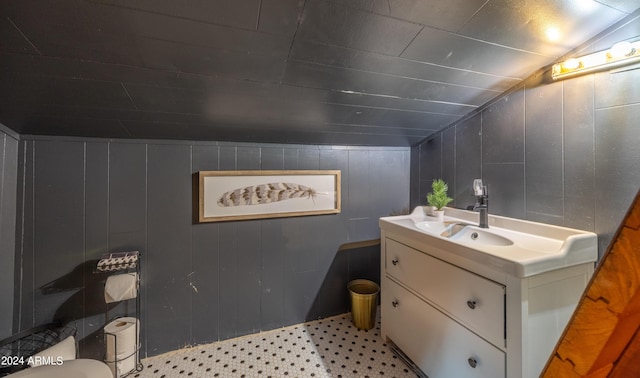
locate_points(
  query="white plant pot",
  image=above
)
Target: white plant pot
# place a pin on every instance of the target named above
(429, 210)
(438, 214)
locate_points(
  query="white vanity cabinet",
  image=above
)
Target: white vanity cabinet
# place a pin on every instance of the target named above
(458, 314)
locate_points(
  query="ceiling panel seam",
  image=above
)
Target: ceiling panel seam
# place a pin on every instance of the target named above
(24, 35)
(411, 41)
(392, 75)
(143, 10)
(293, 39)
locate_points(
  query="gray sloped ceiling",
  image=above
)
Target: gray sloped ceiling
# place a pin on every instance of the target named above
(350, 72)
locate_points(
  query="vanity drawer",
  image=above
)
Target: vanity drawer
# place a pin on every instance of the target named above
(440, 346)
(475, 300)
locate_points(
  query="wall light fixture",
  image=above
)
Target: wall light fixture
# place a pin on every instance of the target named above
(620, 54)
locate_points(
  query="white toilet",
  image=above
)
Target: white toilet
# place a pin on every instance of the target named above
(80, 368)
(59, 361)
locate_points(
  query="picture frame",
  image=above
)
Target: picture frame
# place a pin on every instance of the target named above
(240, 195)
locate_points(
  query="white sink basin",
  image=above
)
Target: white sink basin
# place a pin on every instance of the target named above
(519, 247)
(464, 233)
(433, 227)
(476, 235)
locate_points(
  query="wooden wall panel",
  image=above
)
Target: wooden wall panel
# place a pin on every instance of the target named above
(603, 339)
(8, 187)
(200, 282)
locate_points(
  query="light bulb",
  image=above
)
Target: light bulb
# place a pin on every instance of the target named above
(571, 64)
(621, 49)
(552, 33)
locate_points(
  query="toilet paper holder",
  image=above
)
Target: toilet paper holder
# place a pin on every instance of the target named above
(122, 339)
(116, 263)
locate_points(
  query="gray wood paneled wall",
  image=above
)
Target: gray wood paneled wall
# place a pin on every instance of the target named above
(201, 282)
(8, 187)
(565, 153)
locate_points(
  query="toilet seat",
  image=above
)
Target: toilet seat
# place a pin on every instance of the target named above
(80, 368)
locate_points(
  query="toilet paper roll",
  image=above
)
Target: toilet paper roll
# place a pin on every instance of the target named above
(120, 287)
(121, 367)
(122, 351)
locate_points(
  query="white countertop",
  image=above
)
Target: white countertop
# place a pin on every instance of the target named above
(536, 247)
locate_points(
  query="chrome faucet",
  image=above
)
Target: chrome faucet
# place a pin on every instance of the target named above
(482, 202)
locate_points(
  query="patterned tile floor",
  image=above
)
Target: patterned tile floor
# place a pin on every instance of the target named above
(328, 348)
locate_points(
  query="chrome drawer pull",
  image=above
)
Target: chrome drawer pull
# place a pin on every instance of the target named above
(395, 303)
(395, 261)
(471, 304)
(472, 362)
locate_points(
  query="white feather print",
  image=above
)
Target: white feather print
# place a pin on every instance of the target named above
(265, 193)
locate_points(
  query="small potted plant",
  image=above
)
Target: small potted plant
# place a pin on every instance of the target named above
(438, 197)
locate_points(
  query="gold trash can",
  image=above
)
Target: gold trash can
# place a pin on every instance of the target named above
(364, 303)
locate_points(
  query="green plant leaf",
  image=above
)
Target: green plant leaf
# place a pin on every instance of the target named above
(438, 196)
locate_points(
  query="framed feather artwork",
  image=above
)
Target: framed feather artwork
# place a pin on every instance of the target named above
(238, 195)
